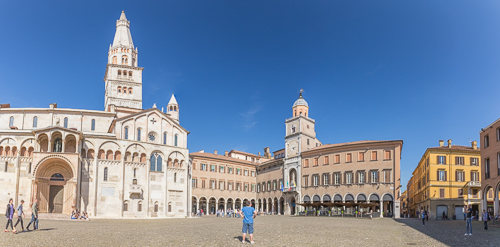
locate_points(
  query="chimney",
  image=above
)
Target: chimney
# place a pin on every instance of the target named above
(267, 152)
(202, 151)
(259, 154)
(215, 151)
(53, 105)
(449, 143)
(474, 145)
(226, 153)
(441, 143)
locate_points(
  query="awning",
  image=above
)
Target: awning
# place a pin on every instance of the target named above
(339, 204)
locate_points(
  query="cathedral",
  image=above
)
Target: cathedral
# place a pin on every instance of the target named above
(124, 161)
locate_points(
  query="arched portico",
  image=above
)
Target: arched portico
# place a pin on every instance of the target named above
(55, 185)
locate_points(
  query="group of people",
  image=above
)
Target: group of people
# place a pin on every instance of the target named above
(9, 214)
(230, 213)
(76, 215)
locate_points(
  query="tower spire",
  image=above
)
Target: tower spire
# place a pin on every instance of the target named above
(122, 34)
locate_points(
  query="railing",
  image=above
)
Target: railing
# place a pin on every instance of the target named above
(135, 189)
(474, 184)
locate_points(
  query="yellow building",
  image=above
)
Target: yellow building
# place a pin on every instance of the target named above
(446, 179)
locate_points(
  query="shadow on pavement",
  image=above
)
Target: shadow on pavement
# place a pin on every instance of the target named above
(451, 232)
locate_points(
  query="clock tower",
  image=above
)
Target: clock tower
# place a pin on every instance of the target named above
(300, 136)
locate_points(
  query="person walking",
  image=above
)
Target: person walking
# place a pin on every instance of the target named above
(486, 217)
(34, 216)
(422, 214)
(20, 215)
(468, 221)
(248, 214)
(9, 214)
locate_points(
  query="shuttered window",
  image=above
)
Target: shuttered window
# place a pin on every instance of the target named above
(441, 193)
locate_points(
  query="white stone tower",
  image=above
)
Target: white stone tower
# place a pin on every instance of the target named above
(173, 108)
(123, 78)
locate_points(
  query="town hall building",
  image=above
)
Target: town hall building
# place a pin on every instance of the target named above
(124, 161)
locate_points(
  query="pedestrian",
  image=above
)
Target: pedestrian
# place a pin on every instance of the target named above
(34, 216)
(477, 215)
(422, 213)
(201, 213)
(20, 215)
(468, 221)
(444, 216)
(486, 217)
(9, 214)
(248, 214)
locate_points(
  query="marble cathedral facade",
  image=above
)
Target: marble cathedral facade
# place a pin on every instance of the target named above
(125, 161)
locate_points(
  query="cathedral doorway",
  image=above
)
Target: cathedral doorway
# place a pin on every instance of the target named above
(55, 185)
(56, 199)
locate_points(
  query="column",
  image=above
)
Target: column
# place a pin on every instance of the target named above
(381, 209)
(272, 210)
(225, 208)
(495, 204)
(279, 211)
(198, 205)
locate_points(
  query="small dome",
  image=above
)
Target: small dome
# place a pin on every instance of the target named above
(300, 101)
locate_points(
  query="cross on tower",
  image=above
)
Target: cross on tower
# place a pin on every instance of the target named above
(153, 121)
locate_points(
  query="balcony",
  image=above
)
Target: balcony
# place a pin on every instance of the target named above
(135, 189)
(473, 184)
(290, 189)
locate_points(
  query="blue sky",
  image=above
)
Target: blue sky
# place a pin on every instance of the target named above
(419, 71)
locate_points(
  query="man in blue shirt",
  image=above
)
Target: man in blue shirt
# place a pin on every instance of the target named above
(248, 213)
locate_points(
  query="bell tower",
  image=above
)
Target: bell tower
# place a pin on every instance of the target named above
(173, 108)
(123, 77)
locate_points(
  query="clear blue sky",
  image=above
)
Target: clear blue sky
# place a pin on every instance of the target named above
(419, 71)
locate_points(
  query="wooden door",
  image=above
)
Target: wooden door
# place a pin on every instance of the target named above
(56, 199)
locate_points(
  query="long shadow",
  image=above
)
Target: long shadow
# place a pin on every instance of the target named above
(451, 232)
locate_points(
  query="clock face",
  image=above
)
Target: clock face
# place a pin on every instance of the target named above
(293, 148)
(151, 137)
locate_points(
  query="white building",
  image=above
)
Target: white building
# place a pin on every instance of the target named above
(120, 162)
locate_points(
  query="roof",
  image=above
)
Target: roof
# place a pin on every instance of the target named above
(457, 147)
(145, 111)
(300, 101)
(348, 144)
(122, 34)
(249, 154)
(221, 157)
(489, 126)
(172, 101)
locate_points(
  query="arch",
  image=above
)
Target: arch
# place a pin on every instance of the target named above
(316, 198)
(348, 197)
(114, 60)
(361, 197)
(125, 205)
(70, 144)
(337, 198)
(387, 197)
(118, 155)
(55, 158)
(306, 199)
(327, 198)
(23, 151)
(109, 145)
(90, 154)
(374, 197)
(109, 155)
(130, 90)
(177, 153)
(7, 141)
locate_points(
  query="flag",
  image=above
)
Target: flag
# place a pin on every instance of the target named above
(281, 185)
(294, 184)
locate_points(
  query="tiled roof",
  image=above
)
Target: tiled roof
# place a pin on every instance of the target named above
(457, 147)
(221, 157)
(347, 144)
(249, 154)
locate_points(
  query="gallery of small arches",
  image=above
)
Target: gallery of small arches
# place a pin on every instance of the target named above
(210, 205)
(349, 203)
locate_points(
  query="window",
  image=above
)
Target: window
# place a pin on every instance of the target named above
(221, 169)
(306, 163)
(348, 177)
(11, 122)
(460, 193)
(212, 168)
(293, 129)
(139, 135)
(193, 181)
(474, 161)
(498, 164)
(474, 193)
(326, 161)
(361, 177)
(348, 157)
(307, 141)
(129, 90)
(238, 171)
(65, 122)
(441, 160)
(35, 122)
(126, 133)
(258, 187)
(212, 184)
(105, 174)
(203, 186)
(474, 176)
(156, 207)
(221, 185)
(268, 186)
(29, 168)
(374, 176)
(165, 138)
(441, 174)
(498, 134)
(253, 187)
(125, 206)
(93, 125)
(326, 179)
(155, 162)
(175, 177)
(6, 166)
(459, 176)
(486, 141)
(459, 160)
(246, 173)
(315, 180)
(203, 167)
(253, 173)
(441, 193)
(230, 170)
(315, 161)
(135, 172)
(275, 185)
(336, 179)
(337, 158)
(387, 176)
(387, 154)
(119, 89)
(246, 187)
(306, 181)
(175, 140)
(486, 168)
(139, 206)
(361, 156)
(374, 155)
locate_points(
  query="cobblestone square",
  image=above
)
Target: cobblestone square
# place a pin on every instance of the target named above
(269, 231)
